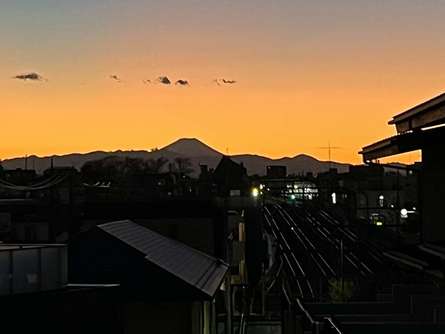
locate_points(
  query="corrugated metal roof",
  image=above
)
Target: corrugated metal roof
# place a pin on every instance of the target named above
(192, 266)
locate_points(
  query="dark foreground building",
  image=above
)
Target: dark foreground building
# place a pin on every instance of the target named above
(166, 286)
(35, 294)
(421, 128)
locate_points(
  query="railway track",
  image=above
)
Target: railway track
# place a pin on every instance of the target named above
(317, 248)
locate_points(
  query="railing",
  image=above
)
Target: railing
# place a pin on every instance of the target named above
(245, 310)
(330, 326)
(242, 324)
(326, 325)
(32, 268)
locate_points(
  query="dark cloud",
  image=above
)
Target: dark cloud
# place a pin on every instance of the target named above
(182, 82)
(230, 82)
(115, 78)
(220, 82)
(164, 80)
(32, 76)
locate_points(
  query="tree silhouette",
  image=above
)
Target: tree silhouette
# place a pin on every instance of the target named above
(103, 170)
(155, 165)
(123, 170)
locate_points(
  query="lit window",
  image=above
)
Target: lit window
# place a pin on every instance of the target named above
(381, 201)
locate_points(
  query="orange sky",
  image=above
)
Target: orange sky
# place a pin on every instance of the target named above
(307, 74)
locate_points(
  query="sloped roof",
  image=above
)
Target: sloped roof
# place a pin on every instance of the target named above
(198, 269)
(227, 165)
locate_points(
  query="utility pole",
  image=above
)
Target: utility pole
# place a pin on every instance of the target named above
(342, 269)
(398, 202)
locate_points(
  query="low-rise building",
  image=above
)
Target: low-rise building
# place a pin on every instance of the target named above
(166, 286)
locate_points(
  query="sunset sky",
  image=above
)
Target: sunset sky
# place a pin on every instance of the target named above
(307, 72)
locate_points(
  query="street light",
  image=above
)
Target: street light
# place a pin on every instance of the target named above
(404, 213)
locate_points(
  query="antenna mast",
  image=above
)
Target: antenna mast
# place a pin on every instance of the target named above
(329, 148)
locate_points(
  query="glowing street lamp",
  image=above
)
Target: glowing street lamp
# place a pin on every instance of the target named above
(404, 213)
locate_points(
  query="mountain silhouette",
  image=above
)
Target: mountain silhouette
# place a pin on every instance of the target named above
(192, 148)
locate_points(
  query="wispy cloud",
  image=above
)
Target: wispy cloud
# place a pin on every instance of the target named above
(32, 76)
(182, 82)
(164, 80)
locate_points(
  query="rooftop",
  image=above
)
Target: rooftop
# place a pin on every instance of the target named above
(8, 247)
(198, 269)
(402, 143)
(428, 113)
(414, 126)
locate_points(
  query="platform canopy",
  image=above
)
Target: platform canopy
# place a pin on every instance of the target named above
(415, 127)
(403, 143)
(426, 114)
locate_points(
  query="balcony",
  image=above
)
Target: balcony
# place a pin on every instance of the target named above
(32, 268)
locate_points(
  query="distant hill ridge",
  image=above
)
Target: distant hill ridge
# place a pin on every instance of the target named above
(196, 150)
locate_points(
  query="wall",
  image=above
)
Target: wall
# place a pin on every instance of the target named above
(433, 191)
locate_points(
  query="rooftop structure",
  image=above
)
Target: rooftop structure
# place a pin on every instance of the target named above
(421, 128)
(145, 263)
(190, 265)
(415, 127)
(426, 114)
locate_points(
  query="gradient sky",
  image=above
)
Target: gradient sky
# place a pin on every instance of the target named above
(308, 72)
